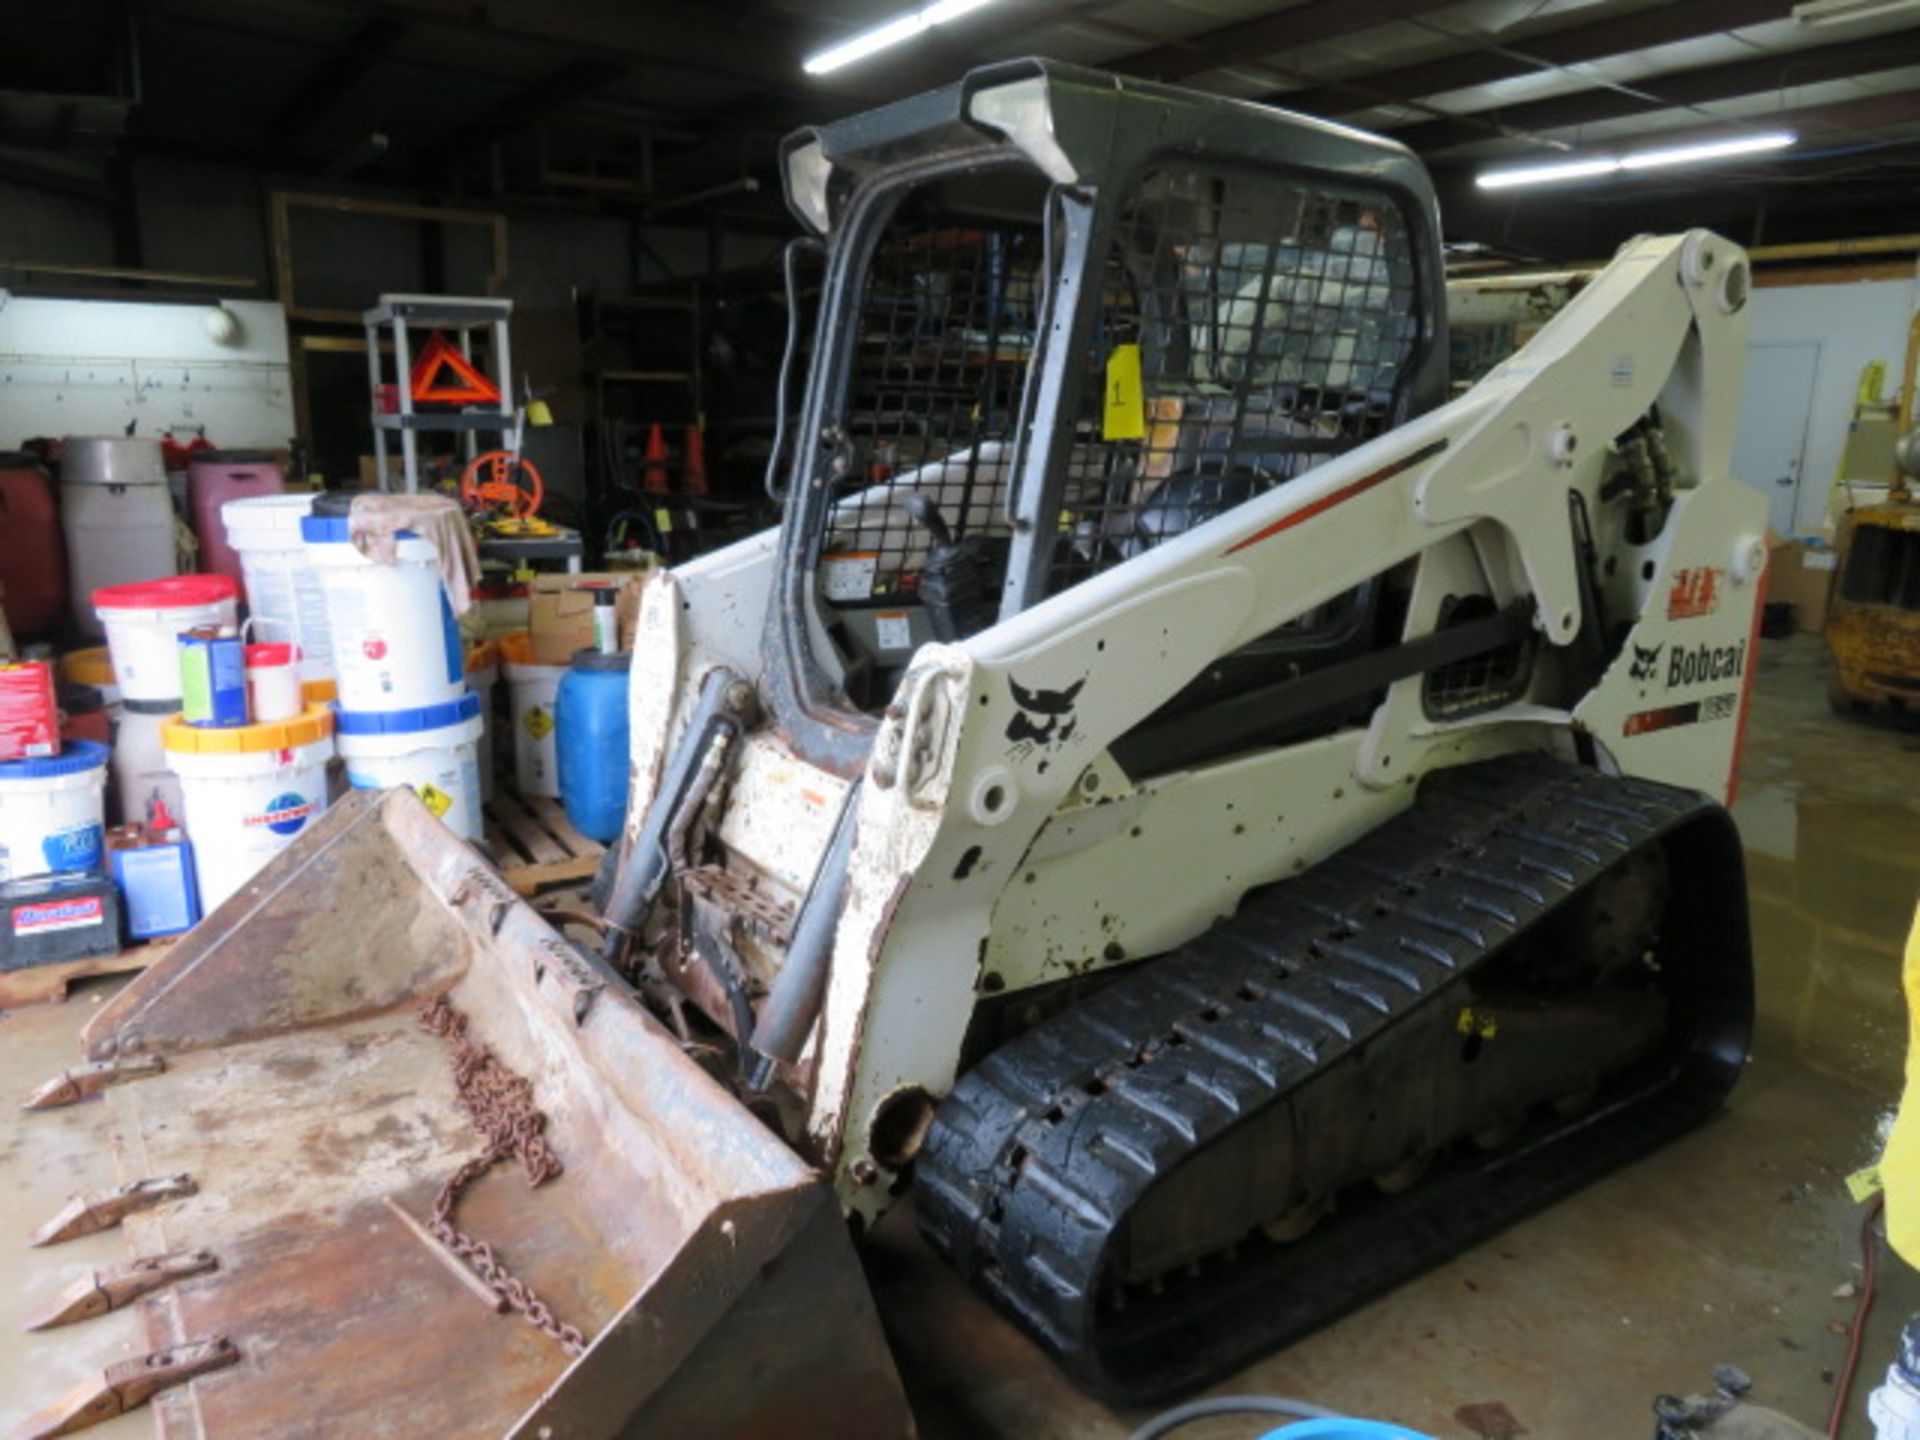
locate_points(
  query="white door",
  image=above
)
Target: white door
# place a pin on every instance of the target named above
(1770, 447)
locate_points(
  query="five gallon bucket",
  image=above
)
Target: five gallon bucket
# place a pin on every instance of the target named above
(144, 623)
(533, 690)
(284, 598)
(141, 775)
(51, 812)
(93, 667)
(250, 791)
(483, 676)
(395, 645)
(432, 751)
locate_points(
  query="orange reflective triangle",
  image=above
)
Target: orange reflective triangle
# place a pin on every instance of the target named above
(437, 360)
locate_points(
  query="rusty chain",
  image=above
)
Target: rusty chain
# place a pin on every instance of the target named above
(500, 1105)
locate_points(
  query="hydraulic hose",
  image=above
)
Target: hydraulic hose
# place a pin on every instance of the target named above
(1167, 1421)
(794, 1000)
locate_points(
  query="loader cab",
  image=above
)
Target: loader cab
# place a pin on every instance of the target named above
(1065, 321)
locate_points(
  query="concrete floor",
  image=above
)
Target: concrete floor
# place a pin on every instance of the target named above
(1726, 1246)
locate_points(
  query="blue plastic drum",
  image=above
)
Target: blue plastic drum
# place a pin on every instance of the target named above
(590, 743)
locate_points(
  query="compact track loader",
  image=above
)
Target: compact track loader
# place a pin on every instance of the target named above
(1220, 826)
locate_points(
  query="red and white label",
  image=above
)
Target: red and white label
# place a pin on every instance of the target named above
(374, 648)
(46, 917)
(1695, 592)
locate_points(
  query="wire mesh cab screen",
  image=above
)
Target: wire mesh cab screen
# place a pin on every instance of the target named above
(1246, 326)
(1251, 326)
(944, 334)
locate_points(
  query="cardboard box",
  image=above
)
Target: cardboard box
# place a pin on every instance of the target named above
(396, 472)
(1801, 575)
(560, 612)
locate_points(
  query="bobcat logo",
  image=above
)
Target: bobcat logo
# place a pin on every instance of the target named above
(1045, 717)
(1646, 663)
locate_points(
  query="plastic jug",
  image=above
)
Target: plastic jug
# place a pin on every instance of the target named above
(590, 737)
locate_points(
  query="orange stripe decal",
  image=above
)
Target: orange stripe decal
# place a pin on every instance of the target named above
(1746, 680)
(1345, 492)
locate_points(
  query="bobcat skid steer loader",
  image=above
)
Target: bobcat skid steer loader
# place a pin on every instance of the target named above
(1223, 827)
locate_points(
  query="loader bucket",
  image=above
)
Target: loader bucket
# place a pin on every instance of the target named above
(704, 1264)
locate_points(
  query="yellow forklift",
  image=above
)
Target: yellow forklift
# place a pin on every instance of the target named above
(1873, 620)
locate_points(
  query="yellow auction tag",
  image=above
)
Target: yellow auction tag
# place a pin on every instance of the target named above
(538, 721)
(436, 800)
(1125, 416)
(1468, 1023)
(1864, 1183)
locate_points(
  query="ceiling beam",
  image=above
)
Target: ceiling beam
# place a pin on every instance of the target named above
(1245, 41)
(764, 53)
(19, 170)
(1678, 88)
(335, 75)
(1496, 58)
(538, 100)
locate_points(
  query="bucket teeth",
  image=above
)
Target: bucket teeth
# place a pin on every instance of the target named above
(104, 1209)
(83, 1082)
(127, 1386)
(106, 1290)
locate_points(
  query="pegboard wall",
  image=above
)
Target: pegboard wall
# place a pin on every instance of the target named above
(89, 367)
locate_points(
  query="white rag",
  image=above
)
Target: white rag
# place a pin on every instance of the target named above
(375, 520)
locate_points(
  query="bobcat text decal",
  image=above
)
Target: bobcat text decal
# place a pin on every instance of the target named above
(1705, 662)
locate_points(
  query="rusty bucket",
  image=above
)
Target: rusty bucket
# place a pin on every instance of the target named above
(295, 1076)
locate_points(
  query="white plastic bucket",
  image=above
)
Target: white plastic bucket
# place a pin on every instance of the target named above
(483, 679)
(141, 774)
(532, 691)
(250, 791)
(51, 812)
(433, 752)
(93, 667)
(144, 623)
(395, 646)
(284, 597)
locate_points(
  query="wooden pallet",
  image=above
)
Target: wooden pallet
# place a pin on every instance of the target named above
(38, 984)
(535, 846)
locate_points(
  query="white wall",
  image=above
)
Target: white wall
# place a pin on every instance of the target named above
(1854, 324)
(88, 367)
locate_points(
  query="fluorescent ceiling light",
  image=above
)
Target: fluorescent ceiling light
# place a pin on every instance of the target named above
(888, 34)
(1837, 12)
(1711, 150)
(1643, 160)
(1545, 174)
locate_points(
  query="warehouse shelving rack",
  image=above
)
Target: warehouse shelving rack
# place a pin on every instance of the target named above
(461, 317)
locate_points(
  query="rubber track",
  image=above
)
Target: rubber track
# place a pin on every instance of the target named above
(1026, 1175)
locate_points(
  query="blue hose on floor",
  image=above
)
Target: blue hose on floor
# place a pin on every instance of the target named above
(1343, 1430)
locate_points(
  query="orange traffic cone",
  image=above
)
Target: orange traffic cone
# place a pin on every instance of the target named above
(695, 466)
(653, 478)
